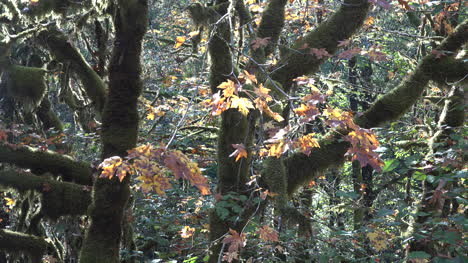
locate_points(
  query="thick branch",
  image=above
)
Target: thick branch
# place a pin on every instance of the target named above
(14, 242)
(59, 46)
(302, 168)
(340, 26)
(58, 198)
(47, 161)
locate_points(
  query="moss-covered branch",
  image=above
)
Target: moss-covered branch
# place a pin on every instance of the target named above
(13, 242)
(340, 26)
(47, 116)
(58, 198)
(62, 49)
(395, 103)
(47, 161)
(302, 168)
(271, 25)
(44, 7)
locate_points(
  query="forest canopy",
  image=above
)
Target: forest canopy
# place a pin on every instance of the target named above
(233, 131)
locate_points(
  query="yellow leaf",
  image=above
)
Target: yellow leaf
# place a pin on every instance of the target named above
(228, 87)
(369, 21)
(10, 202)
(150, 116)
(242, 104)
(179, 41)
(187, 232)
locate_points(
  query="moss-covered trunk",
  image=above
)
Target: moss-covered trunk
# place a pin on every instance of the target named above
(119, 132)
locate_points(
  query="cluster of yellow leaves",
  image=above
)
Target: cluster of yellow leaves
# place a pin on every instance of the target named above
(152, 164)
(307, 142)
(230, 98)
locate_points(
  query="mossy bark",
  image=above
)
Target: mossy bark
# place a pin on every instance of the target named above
(63, 50)
(47, 161)
(58, 198)
(13, 242)
(119, 132)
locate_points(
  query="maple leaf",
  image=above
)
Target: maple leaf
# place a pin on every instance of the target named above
(277, 149)
(320, 52)
(267, 234)
(179, 41)
(151, 116)
(235, 240)
(369, 21)
(228, 87)
(249, 77)
(350, 53)
(260, 42)
(109, 166)
(240, 151)
(187, 232)
(10, 202)
(242, 104)
(262, 93)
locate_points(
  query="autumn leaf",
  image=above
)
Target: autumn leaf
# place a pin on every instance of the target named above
(242, 104)
(234, 240)
(109, 166)
(228, 87)
(260, 42)
(250, 77)
(179, 41)
(268, 234)
(369, 20)
(240, 151)
(3, 136)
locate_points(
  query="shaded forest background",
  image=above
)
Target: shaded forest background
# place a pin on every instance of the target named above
(233, 131)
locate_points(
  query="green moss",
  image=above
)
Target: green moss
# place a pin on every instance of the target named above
(27, 85)
(48, 117)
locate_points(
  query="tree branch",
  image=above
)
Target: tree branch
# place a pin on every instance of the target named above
(14, 242)
(47, 161)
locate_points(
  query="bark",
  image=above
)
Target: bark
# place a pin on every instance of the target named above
(47, 161)
(302, 168)
(119, 132)
(58, 198)
(13, 242)
(48, 117)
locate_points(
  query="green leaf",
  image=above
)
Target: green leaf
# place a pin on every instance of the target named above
(390, 165)
(418, 255)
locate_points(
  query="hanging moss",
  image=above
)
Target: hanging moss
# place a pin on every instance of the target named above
(58, 198)
(26, 85)
(33, 246)
(47, 161)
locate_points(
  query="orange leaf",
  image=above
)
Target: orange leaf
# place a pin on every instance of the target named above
(179, 41)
